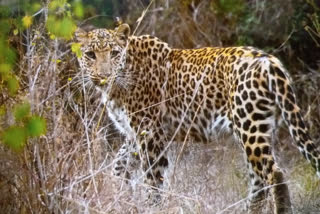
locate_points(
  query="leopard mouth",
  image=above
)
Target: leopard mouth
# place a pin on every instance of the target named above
(99, 80)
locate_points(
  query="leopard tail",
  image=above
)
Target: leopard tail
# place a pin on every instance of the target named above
(280, 86)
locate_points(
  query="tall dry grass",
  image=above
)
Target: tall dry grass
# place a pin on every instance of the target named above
(69, 169)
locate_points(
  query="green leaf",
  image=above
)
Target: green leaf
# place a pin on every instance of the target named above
(76, 48)
(27, 21)
(4, 11)
(7, 54)
(55, 4)
(14, 137)
(36, 126)
(15, 31)
(12, 85)
(78, 9)
(63, 28)
(21, 111)
(67, 28)
(35, 7)
(4, 24)
(5, 68)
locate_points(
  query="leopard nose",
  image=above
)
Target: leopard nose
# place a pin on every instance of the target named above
(102, 70)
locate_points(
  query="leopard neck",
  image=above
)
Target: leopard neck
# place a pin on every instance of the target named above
(144, 55)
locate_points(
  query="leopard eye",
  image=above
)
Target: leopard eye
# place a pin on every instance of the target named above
(91, 54)
(114, 53)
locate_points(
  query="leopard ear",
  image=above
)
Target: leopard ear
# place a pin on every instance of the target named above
(81, 35)
(123, 32)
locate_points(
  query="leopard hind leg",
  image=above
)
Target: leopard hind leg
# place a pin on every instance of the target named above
(254, 128)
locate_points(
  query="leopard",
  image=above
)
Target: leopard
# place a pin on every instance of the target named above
(156, 95)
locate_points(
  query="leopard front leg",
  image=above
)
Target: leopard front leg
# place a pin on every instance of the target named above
(126, 160)
(154, 162)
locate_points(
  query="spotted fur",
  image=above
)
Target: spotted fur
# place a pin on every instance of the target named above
(157, 94)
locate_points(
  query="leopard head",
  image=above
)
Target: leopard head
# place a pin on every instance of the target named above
(103, 56)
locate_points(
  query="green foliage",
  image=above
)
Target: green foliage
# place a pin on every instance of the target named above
(27, 21)
(13, 85)
(5, 69)
(21, 111)
(60, 22)
(35, 126)
(78, 10)
(14, 137)
(232, 13)
(29, 7)
(247, 24)
(61, 27)
(26, 126)
(75, 48)
(107, 10)
(7, 54)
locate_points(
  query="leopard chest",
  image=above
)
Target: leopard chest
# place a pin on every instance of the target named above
(120, 117)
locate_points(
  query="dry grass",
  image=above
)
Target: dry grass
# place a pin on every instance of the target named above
(69, 169)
